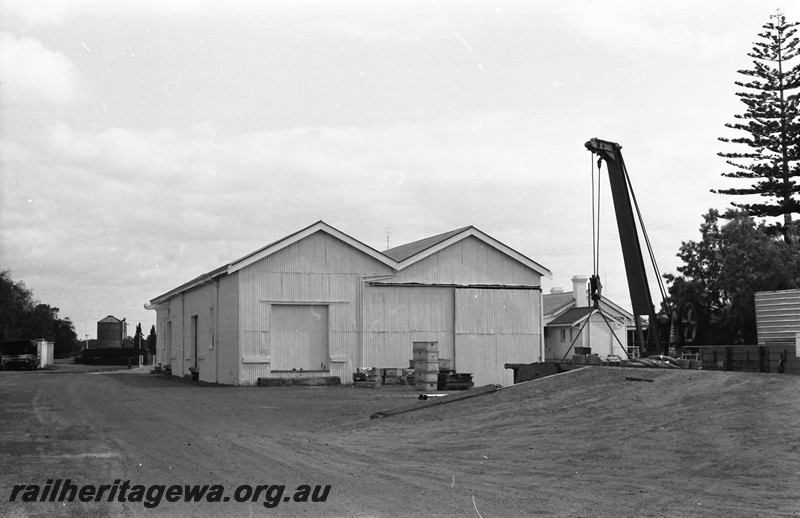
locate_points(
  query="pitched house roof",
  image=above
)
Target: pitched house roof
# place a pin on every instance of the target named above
(571, 316)
(561, 308)
(553, 302)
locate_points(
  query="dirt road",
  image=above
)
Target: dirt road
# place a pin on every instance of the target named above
(586, 443)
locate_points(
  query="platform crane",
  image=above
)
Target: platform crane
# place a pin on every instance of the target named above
(680, 325)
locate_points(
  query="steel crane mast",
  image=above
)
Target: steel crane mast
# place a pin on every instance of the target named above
(638, 287)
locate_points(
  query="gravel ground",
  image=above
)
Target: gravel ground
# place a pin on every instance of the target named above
(584, 443)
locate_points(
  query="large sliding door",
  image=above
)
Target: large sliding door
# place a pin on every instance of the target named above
(299, 337)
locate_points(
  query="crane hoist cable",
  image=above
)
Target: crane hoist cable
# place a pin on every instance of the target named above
(595, 217)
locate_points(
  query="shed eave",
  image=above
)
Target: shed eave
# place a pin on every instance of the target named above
(197, 281)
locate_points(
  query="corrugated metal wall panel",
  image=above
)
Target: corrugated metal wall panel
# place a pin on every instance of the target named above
(395, 317)
(469, 261)
(321, 253)
(487, 311)
(777, 315)
(228, 346)
(495, 327)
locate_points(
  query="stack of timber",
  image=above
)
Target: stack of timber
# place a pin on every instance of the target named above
(426, 365)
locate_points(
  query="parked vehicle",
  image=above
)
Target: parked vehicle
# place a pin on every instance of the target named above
(19, 354)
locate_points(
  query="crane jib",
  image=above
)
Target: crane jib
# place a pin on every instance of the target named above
(641, 300)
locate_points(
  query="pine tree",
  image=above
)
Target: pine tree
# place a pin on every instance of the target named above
(137, 338)
(772, 120)
(151, 341)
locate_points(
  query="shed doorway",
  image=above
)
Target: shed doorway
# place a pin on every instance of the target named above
(299, 337)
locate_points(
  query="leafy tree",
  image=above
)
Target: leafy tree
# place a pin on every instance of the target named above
(66, 340)
(15, 302)
(772, 123)
(722, 272)
(23, 317)
(40, 322)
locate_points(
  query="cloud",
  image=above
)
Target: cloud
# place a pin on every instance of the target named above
(674, 28)
(36, 12)
(31, 73)
(174, 192)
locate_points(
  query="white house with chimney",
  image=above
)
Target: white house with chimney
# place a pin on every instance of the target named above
(571, 320)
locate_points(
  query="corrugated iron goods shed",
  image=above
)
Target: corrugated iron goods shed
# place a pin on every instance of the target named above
(321, 303)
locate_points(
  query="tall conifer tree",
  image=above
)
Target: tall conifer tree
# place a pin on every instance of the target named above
(772, 122)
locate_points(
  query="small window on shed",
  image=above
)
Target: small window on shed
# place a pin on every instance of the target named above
(563, 335)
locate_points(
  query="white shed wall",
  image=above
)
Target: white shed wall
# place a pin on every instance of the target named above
(215, 306)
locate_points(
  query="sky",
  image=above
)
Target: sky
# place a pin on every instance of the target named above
(145, 143)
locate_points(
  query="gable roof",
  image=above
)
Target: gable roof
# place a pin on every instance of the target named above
(397, 258)
(319, 226)
(408, 254)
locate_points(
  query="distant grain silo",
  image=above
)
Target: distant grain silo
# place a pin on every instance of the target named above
(110, 332)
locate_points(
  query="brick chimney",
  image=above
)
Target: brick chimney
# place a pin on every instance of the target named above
(580, 291)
